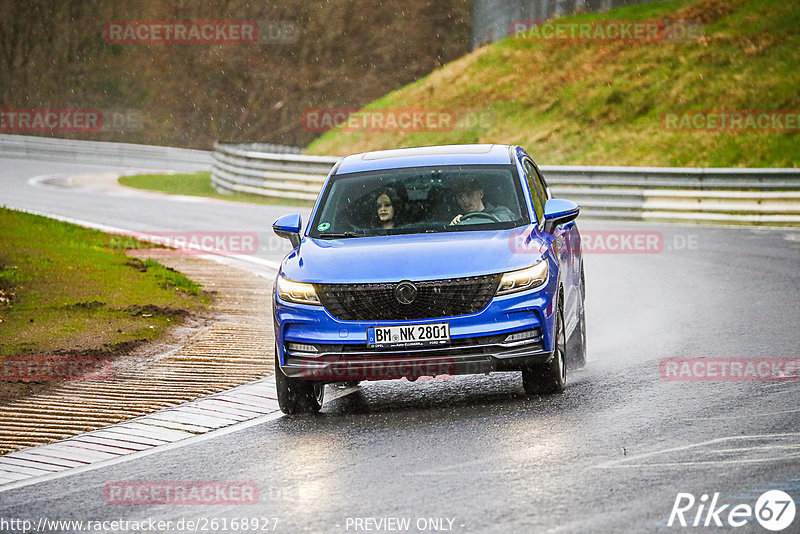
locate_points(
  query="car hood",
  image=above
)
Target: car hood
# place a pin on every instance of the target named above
(411, 257)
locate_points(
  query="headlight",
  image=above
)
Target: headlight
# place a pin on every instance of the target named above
(297, 292)
(523, 279)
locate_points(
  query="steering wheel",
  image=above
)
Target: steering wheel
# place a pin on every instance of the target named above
(480, 214)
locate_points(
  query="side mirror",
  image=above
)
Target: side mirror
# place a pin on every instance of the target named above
(289, 226)
(559, 211)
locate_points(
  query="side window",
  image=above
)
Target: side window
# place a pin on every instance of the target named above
(542, 183)
(537, 190)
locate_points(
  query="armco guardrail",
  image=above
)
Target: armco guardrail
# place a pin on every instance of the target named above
(273, 175)
(734, 196)
(715, 195)
(103, 153)
(268, 148)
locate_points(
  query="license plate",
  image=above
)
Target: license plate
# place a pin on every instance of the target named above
(408, 335)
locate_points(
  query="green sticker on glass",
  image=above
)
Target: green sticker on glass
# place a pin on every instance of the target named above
(324, 226)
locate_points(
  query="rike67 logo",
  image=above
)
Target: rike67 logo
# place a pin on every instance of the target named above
(774, 510)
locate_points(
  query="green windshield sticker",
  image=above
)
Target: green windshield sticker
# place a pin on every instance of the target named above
(324, 226)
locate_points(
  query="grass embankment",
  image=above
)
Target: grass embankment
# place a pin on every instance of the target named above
(69, 290)
(601, 102)
(198, 185)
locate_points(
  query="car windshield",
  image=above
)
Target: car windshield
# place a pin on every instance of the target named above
(420, 200)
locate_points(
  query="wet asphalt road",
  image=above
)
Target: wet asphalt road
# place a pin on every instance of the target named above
(473, 454)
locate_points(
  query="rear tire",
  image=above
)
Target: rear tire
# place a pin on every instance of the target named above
(551, 377)
(295, 395)
(582, 354)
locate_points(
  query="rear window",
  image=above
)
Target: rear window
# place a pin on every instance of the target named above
(420, 200)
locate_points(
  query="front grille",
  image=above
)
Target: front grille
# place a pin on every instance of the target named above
(435, 298)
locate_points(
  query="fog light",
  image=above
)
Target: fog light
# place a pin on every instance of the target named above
(301, 347)
(522, 336)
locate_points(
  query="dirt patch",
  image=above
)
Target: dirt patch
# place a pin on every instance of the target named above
(706, 11)
(136, 263)
(93, 305)
(6, 289)
(151, 309)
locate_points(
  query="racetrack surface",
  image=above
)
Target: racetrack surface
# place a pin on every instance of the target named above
(611, 454)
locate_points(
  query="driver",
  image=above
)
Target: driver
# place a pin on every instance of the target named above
(469, 195)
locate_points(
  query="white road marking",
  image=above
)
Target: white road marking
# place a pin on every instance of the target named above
(746, 416)
(631, 461)
(50, 181)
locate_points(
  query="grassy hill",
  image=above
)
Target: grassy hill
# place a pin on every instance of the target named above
(603, 102)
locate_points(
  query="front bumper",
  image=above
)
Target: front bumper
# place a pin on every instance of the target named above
(465, 356)
(479, 342)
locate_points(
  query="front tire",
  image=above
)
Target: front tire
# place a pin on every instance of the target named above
(551, 377)
(295, 395)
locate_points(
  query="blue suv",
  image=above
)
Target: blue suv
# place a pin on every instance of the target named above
(429, 261)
